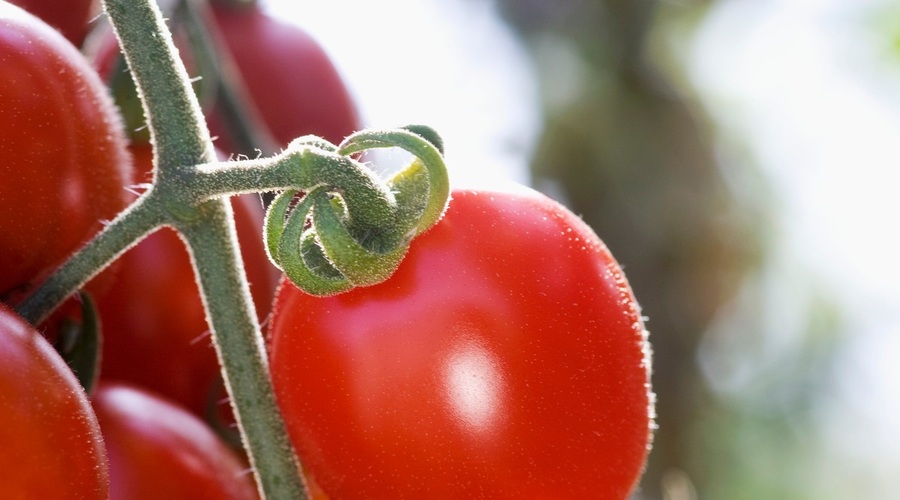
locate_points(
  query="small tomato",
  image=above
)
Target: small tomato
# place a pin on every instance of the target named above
(290, 79)
(70, 17)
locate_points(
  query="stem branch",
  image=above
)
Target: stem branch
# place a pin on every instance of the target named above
(181, 142)
(127, 228)
(242, 353)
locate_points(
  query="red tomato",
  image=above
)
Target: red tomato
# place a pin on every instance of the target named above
(506, 358)
(65, 162)
(158, 450)
(155, 331)
(70, 17)
(291, 80)
(52, 447)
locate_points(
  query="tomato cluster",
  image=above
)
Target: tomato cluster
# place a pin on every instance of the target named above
(70, 168)
(506, 358)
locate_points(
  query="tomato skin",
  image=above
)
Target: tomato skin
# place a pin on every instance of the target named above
(159, 450)
(52, 447)
(66, 163)
(506, 358)
(155, 331)
(292, 82)
(70, 17)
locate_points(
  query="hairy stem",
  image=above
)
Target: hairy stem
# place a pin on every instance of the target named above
(245, 125)
(174, 118)
(181, 141)
(242, 353)
(130, 226)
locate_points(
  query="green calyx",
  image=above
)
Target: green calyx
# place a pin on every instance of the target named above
(349, 230)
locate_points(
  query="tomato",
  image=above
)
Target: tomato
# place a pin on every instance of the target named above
(506, 358)
(290, 79)
(52, 447)
(159, 450)
(70, 17)
(155, 331)
(65, 164)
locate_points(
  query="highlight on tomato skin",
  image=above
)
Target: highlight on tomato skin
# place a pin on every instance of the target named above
(506, 358)
(70, 17)
(51, 443)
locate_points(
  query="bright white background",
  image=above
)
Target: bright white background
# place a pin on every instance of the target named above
(452, 65)
(810, 88)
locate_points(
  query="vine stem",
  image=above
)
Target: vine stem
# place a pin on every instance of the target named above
(125, 230)
(242, 354)
(181, 141)
(249, 133)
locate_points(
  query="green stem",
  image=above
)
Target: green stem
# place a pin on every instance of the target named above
(235, 3)
(246, 127)
(181, 141)
(301, 167)
(128, 227)
(242, 353)
(295, 170)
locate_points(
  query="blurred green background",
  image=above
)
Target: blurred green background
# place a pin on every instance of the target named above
(754, 340)
(740, 159)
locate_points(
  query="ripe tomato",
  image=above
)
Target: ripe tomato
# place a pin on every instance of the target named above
(65, 163)
(159, 450)
(70, 17)
(291, 80)
(155, 331)
(52, 447)
(506, 358)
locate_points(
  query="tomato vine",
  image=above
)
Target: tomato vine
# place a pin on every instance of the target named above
(529, 338)
(188, 193)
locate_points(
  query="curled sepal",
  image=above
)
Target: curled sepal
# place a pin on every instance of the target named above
(422, 188)
(355, 262)
(292, 246)
(323, 237)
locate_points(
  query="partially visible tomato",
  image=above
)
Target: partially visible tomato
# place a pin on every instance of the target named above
(49, 437)
(158, 450)
(291, 80)
(70, 17)
(65, 164)
(506, 358)
(155, 331)
(288, 76)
